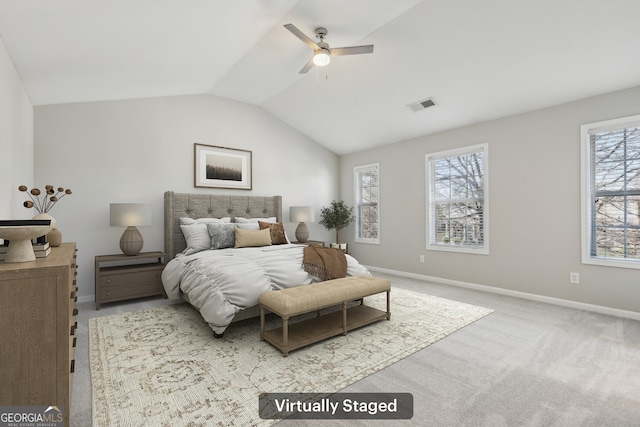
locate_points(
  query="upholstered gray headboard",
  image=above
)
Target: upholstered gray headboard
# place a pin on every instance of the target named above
(180, 205)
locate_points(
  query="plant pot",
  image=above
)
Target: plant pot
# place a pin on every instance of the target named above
(342, 246)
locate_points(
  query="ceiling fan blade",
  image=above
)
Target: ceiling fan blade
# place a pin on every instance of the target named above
(299, 34)
(353, 50)
(307, 66)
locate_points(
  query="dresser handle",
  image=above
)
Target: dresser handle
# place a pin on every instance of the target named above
(73, 366)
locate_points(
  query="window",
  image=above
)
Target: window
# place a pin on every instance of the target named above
(367, 194)
(457, 200)
(611, 192)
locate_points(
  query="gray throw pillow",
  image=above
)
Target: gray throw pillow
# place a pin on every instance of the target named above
(222, 236)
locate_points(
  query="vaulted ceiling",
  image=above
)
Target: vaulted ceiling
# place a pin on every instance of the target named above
(478, 60)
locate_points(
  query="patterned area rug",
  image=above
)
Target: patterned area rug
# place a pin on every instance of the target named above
(162, 366)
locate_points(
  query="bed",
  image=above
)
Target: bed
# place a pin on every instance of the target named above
(225, 283)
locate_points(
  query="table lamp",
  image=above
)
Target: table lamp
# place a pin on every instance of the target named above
(130, 215)
(301, 214)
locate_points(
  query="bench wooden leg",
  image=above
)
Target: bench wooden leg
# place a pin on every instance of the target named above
(285, 336)
(389, 305)
(344, 318)
(261, 323)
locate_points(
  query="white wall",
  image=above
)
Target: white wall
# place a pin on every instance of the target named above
(133, 151)
(16, 140)
(534, 206)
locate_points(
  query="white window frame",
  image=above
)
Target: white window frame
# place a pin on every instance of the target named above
(430, 205)
(358, 201)
(588, 195)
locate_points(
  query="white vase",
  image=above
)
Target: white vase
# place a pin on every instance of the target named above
(45, 215)
(54, 237)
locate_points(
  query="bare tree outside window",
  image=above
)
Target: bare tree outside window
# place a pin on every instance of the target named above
(367, 194)
(615, 183)
(456, 197)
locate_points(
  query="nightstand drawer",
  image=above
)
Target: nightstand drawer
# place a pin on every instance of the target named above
(117, 293)
(121, 277)
(130, 277)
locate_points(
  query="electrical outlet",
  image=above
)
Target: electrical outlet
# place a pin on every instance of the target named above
(421, 259)
(574, 278)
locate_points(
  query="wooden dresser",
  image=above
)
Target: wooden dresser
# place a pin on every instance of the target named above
(38, 330)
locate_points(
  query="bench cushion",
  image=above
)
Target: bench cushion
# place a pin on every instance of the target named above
(303, 299)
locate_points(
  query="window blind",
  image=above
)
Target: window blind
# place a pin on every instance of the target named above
(614, 191)
(367, 194)
(456, 199)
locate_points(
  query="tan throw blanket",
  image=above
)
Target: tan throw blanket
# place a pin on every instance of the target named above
(326, 263)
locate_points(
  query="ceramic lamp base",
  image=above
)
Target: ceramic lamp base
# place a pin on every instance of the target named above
(131, 241)
(302, 232)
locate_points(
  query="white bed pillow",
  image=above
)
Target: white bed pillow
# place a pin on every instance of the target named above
(196, 234)
(222, 235)
(241, 220)
(253, 226)
(197, 238)
(251, 223)
(191, 221)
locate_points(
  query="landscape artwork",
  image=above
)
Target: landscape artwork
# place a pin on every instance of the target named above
(222, 167)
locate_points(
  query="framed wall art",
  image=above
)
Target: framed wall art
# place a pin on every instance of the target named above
(222, 167)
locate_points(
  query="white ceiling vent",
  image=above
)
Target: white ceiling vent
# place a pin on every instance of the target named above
(421, 105)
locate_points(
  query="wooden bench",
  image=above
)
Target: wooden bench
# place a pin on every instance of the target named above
(291, 302)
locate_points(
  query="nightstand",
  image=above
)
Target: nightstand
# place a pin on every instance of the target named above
(310, 243)
(121, 277)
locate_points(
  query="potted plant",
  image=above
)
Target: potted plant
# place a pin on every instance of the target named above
(337, 216)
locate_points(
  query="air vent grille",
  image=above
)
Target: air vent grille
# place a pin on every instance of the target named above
(421, 105)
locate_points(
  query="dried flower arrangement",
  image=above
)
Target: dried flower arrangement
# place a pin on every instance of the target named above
(47, 201)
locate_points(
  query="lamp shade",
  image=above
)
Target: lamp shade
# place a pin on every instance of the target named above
(301, 214)
(130, 214)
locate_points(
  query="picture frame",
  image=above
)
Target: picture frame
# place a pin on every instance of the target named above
(222, 167)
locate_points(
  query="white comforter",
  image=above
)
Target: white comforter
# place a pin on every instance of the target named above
(222, 282)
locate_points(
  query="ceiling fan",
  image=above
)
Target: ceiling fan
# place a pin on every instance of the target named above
(321, 52)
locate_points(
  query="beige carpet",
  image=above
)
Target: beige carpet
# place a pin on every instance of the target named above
(162, 366)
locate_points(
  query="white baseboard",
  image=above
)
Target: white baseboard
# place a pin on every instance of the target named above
(87, 298)
(524, 295)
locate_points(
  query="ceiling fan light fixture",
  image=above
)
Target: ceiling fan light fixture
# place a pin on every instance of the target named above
(321, 58)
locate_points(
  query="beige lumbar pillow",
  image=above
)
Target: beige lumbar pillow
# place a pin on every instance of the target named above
(251, 238)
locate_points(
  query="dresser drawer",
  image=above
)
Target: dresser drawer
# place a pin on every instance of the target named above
(37, 314)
